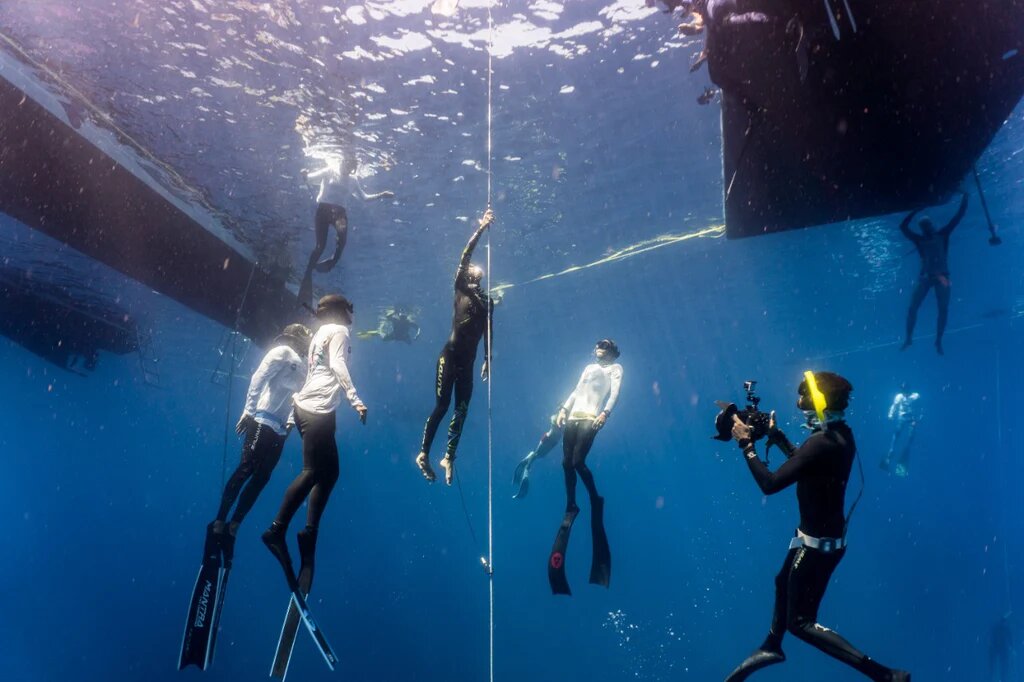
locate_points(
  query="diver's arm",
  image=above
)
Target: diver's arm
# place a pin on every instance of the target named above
(777, 438)
(789, 473)
(316, 175)
(615, 374)
(467, 253)
(566, 409)
(338, 350)
(951, 225)
(905, 228)
(895, 404)
(365, 196)
(273, 362)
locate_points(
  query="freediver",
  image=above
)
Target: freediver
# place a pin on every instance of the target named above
(547, 442)
(584, 414)
(820, 468)
(338, 183)
(904, 412)
(396, 324)
(327, 382)
(473, 310)
(265, 423)
(1001, 651)
(933, 248)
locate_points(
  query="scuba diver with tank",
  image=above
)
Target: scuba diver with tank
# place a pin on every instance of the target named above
(820, 468)
(584, 414)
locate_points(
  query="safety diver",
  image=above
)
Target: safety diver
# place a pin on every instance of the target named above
(327, 382)
(933, 248)
(471, 321)
(904, 412)
(395, 324)
(338, 183)
(582, 416)
(265, 423)
(820, 468)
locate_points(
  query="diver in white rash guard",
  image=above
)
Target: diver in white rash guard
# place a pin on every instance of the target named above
(265, 423)
(338, 183)
(328, 382)
(582, 416)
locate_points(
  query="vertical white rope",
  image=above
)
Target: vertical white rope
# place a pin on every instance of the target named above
(490, 369)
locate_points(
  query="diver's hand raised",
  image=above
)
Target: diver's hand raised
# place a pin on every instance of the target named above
(487, 218)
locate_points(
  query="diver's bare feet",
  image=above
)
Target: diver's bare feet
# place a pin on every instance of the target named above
(423, 462)
(448, 464)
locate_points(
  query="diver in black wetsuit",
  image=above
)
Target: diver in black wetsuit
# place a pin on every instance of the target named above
(396, 324)
(820, 468)
(470, 321)
(933, 247)
(1000, 651)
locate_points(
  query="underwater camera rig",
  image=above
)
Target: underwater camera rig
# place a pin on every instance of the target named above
(750, 415)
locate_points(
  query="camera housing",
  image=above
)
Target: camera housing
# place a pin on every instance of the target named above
(750, 415)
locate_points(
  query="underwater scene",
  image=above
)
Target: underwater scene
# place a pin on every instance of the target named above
(566, 339)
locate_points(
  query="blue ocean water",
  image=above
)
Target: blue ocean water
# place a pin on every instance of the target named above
(598, 145)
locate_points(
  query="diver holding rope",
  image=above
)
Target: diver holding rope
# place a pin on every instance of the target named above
(820, 468)
(455, 364)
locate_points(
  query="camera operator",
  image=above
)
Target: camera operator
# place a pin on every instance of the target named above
(820, 467)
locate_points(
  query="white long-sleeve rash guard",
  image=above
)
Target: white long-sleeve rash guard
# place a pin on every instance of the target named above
(328, 372)
(269, 400)
(596, 392)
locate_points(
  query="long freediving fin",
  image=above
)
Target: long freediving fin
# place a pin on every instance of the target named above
(556, 560)
(200, 634)
(754, 662)
(290, 627)
(521, 479)
(601, 563)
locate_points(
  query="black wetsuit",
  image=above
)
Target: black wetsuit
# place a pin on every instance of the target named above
(934, 251)
(1000, 652)
(319, 468)
(577, 440)
(402, 328)
(261, 451)
(820, 468)
(473, 309)
(326, 215)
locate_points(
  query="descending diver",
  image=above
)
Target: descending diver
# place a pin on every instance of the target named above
(1000, 651)
(820, 468)
(327, 382)
(265, 423)
(933, 247)
(582, 416)
(396, 324)
(470, 321)
(338, 183)
(904, 412)
(521, 477)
